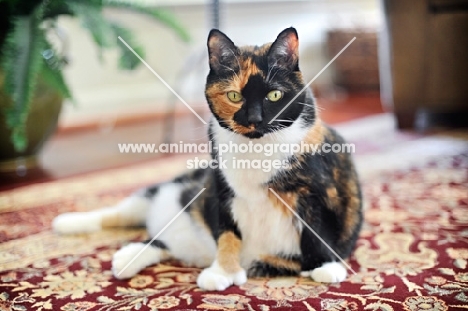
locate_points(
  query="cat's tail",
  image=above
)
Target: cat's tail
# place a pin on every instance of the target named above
(130, 212)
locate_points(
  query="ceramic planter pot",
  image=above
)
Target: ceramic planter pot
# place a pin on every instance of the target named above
(40, 125)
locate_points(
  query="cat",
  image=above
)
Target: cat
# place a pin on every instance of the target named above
(244, 223)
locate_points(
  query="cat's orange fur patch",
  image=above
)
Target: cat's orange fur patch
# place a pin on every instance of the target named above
(222, 106)
(333, 199)
(315, 134)
(281, 263)
(336, 174)
(289, 197)
(352, 210)
(115, 219)
(229, 246)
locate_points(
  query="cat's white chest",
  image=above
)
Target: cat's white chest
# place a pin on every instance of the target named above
(248, 172)
(243, 175)
(265, 230)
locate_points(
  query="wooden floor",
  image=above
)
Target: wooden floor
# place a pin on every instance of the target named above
(96, 148)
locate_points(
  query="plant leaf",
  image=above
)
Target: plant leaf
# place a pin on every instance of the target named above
(127, 59)
(163, 16)
(22, 62)
(52, 72)
(93, 20)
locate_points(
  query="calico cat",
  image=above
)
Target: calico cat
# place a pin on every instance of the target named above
(243, 223)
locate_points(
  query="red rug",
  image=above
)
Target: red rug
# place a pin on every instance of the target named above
(412, 253)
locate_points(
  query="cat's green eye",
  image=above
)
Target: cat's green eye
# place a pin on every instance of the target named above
(274, 96)
(234, 96)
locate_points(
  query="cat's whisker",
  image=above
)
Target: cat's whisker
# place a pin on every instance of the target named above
(304, 104)
(319, 108)
(205, 137)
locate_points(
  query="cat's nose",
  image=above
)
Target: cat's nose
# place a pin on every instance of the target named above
(254, 114)
(255, 119)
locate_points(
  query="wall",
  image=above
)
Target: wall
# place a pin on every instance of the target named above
(102, 91)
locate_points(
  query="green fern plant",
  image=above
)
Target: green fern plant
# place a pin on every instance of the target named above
(26, 54)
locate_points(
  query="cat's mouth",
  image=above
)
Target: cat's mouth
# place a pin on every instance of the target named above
(252, 131)
(255, 134)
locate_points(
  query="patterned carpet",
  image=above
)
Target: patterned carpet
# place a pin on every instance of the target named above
(412, 253)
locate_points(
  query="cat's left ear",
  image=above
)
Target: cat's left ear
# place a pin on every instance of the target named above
(284, 52)
(222, 52)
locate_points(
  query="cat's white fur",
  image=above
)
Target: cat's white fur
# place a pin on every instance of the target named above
(150, 256)
(215, 278)
(265, 229)
(186, 239)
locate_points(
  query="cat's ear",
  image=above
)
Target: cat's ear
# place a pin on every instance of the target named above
(284, 52)
(222, 52)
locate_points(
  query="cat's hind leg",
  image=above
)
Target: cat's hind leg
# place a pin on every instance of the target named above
(130, 212)
(134, 257)
(179, 233)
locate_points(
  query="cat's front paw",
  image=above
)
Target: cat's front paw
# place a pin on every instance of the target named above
(132, 258)
(215, 278)
(330, 272)
(69, 223)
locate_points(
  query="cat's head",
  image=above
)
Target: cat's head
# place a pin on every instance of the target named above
(247, 87)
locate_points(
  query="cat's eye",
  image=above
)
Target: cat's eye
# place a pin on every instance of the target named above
(234, 96)
(274, 96)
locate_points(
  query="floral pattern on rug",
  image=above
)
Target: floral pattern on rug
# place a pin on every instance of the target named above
(412, 255)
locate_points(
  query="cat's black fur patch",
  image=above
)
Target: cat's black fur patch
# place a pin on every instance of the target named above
(156, 243)
(151, 191)
(263, 269)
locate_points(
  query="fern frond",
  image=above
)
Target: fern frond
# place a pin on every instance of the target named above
(93, 20)
(127, 59)
(52, 74)
(163, 16)
(22, 61)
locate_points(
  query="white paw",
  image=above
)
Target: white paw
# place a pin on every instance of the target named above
(128, 260)
(215, 278)
(330, 272)
(70, 223)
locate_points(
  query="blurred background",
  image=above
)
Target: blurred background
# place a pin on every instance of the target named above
(408, 59)
(101, 89)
